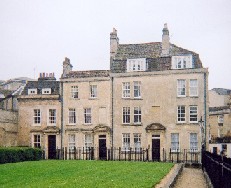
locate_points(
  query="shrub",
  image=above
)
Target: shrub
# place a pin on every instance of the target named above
(19, 154)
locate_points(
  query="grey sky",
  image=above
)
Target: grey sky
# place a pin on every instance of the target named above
(39, 34)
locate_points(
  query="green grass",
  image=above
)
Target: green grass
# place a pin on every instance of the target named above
(75, 173)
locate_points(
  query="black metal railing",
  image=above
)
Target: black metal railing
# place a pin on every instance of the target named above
(129, 154)
(218, 169)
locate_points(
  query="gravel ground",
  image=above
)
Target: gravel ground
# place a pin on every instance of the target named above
(191, 178)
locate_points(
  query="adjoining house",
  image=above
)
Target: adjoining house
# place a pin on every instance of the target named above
(220, 121)
(39, 116)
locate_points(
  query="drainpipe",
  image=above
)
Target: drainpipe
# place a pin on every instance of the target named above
(62, 128)
(205, 107)
(112, 108)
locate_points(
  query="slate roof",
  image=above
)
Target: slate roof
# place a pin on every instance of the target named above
(90, 73)
(222, 91)
(41, 84)
(152, 52)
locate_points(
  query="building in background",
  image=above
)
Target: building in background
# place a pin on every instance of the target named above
(39, 118)
(220, 119)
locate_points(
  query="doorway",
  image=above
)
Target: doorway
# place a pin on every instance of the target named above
(102, 147)
(51, 146)
(156, 147)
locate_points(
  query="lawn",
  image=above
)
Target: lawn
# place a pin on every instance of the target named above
(80, 173)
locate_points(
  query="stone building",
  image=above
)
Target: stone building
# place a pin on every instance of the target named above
(152, 97)
(39, 115)
(159, 94)
(220, 115)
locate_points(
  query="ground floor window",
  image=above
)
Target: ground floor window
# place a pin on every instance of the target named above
(137, 142)
(175, 141)
(37, 140)
(193, 142)
(88, 141)
(71, 142)
(126, 142)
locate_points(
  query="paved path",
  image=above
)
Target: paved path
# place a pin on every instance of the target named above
(191, 178)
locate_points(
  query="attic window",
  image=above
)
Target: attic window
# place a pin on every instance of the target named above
(32, 91)
(182, 62)
(134, 65)
(46, 91)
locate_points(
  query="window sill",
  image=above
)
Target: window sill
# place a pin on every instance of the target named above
(87, 124)
(191, 96)
(75, 98)
(36, 125)
(193, 123)
(132, 124)
(71, 125)
(179, 96)
(132, 98)
(51, 125)
(181, 123)
(93, 98)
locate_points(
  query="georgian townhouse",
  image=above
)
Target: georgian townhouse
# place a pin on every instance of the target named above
(159, 94)
(86, 110)
(40, 116)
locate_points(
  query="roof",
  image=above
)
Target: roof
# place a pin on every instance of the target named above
(222, 91)
(90, 73)
(54, 85)
(147, 50)
(153, 54)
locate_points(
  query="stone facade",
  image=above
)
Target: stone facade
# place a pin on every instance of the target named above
(8, 128)
(40, 116)
(220, 115)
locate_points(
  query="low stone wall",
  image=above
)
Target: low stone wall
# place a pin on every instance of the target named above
(170, 179)
(8, 128)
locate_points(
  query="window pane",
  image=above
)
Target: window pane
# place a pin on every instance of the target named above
(181, 114)
(126, 90)
(126, 114)
(137, 115)
(87, 115)
(193, 88)
(52, 116)
(137, 89)
(93, 89)
(74, 92)
(181, 88)
(193, 141)
(126, 142)
(175, 141)
(193, 113)
(72, 116)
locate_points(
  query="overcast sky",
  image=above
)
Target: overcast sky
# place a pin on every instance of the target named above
(36, 36)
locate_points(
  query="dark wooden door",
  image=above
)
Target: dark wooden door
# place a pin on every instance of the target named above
(102, 148)
(51, 146)
(156, 149)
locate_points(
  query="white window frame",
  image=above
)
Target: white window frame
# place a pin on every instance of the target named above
(137, 141)
(71, 142)
(126, 90)
(36, 140)
(175, 143)
(126, 116)
(137, 115)
(88, 141)
(193, 114)
(71, 116)
(74, 92)
(93, 91)
(137, 89)
(32, 91)
(181, 88)
(193, 143)
(193, 87)
(87, 116)
(46, 91)
(52, 115)
(182, 62)
(37, 117)
(181, 117)
(136, 65)
(126, 142)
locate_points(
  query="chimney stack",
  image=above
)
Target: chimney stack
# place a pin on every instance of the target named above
(165, 41)
(114, 42)
(67, 67)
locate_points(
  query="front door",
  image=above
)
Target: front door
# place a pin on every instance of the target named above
(51, 146)
(102, 147)
(156, 148)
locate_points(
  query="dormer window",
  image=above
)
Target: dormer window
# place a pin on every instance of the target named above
(46, 91)
(32, 91)
(134, 65)
(182, 62)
